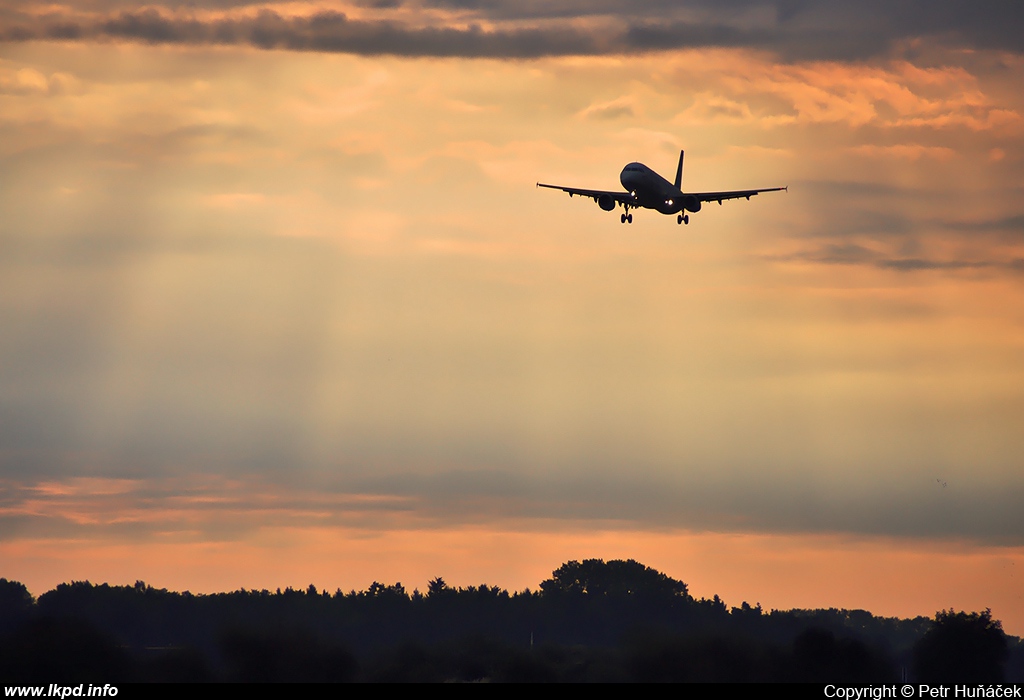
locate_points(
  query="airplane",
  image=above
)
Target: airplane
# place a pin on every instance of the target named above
(646, 188)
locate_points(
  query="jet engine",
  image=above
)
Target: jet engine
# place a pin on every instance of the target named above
(691, 203)
(606, 202)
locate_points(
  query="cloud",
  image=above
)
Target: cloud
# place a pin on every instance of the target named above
(906, 264)
(323, 31)
(837, 30)
(709, 108)
(28, 81)
(615, 109)
(855, 254)
(215, 506)
(908, 151)
(1012, 225)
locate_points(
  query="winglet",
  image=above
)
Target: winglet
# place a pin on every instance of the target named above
(679, 172)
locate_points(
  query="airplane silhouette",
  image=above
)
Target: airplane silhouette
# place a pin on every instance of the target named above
(646, 188)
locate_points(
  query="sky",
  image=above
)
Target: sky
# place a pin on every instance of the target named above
(281, 304)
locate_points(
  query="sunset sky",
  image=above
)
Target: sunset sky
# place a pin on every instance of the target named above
(280, 303)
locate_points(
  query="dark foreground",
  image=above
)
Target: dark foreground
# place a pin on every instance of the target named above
(591, 621)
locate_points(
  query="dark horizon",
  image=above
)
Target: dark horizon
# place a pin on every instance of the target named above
(591, 620)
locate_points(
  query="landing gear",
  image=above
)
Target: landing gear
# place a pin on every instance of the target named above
(683, 219)
(626, 218)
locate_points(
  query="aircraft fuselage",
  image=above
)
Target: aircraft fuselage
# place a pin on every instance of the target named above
(652, 191)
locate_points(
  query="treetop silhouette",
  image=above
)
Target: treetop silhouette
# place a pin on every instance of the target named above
(616, 578)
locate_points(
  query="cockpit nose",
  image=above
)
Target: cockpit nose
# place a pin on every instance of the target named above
(630, 176)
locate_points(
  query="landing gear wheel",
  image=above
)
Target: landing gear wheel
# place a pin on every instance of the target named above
(629, 218)
(622, 218)
(686, 218)
(679, 219)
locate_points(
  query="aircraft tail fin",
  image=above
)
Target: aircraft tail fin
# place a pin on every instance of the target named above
(679, 172)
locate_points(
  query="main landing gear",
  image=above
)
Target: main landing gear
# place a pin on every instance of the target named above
(683, 219)
(626, 218)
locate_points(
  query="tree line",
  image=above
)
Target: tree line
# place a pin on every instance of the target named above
(592, 620)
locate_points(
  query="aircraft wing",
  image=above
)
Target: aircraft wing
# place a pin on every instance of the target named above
(621, 196)
(737, 194)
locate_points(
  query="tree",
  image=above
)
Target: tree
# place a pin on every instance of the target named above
(436, 587)
(962, 647)
(616, 578)
(15, 604)
(14, 598)
(379, 590)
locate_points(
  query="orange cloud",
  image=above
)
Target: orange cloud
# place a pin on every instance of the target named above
(899, 94)
(908, 151)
